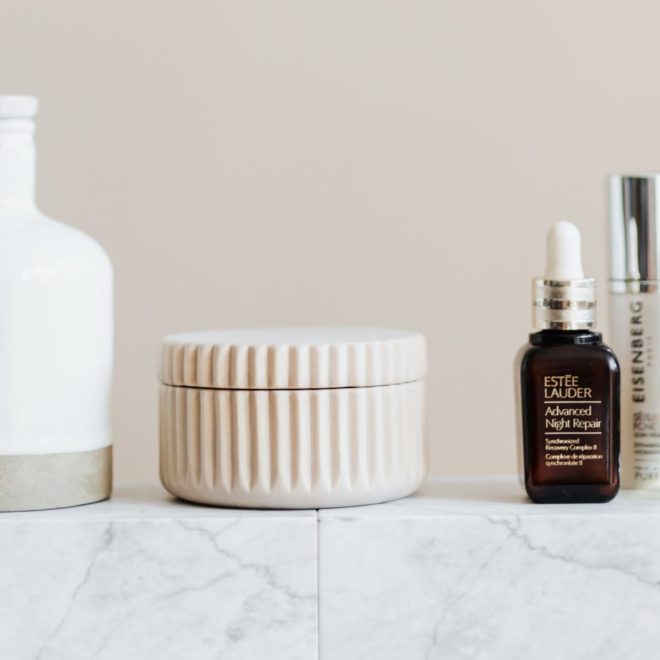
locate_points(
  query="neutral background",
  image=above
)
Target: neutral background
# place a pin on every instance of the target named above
(338, 162)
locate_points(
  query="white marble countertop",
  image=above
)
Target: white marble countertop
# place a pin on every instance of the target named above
(146, 576)
(152, 502)
(438, 497)
(467, 568)
(500, 495)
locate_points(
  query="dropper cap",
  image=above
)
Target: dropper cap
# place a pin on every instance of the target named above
(564, 299)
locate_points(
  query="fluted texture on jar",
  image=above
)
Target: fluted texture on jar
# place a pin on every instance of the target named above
(193, 363)
(292, 449)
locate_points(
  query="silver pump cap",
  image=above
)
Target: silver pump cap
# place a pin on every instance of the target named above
(564, 299)
(634, 246)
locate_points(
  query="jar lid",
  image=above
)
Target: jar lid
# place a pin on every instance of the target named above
(293, 358)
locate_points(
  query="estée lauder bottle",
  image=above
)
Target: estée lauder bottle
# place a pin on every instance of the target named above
(568, 386)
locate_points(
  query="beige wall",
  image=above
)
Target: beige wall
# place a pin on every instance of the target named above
(391, 163)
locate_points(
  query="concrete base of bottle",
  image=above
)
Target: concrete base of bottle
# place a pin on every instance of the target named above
(52, 481)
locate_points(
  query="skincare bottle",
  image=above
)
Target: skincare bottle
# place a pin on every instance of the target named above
(56, 341)
(569, 386)
(634, 305)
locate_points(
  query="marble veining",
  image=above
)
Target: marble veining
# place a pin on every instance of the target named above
(464, 569)
(472, 570)
(151, 578)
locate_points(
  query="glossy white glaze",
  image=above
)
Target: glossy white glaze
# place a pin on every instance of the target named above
(56, 313)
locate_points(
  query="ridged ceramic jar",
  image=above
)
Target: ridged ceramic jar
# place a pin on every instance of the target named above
(293, 417)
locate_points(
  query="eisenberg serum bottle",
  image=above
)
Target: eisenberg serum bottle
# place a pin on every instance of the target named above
(569, 385)
(634, 304)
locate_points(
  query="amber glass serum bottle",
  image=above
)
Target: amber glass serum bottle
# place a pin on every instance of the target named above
(569, 385)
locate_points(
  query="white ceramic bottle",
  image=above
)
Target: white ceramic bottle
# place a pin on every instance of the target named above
(56, 340)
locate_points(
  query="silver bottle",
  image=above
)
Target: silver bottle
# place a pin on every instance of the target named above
(634, 304)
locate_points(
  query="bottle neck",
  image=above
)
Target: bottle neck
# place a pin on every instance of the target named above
(17, 163)
(558, 337)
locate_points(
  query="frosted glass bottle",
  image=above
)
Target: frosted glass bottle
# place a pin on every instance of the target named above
(56, 341)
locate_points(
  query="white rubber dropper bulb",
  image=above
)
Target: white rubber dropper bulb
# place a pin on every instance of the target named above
(563, 252)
